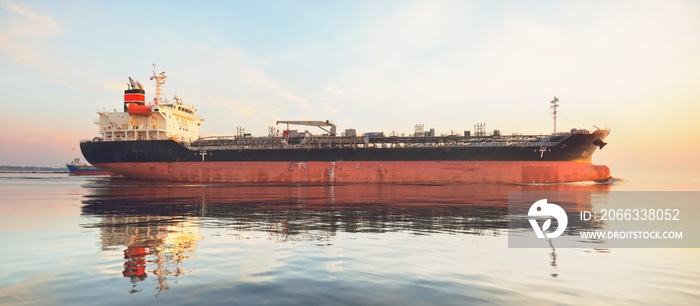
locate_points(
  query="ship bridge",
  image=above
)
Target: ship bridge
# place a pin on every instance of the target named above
(161, 119)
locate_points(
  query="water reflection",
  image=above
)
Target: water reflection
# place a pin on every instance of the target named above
(157, 225)
(162, 241)
(553, 256)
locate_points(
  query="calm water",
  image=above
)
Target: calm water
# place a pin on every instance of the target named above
(78, 240)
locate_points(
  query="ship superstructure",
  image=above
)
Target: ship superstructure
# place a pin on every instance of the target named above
(158, 120)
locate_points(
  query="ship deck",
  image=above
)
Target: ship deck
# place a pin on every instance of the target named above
(315, 142)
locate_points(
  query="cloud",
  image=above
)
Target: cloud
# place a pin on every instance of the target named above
(262, 81)
(34, 40)
(437, 60)
(231, 88)
(24, 34)
(333, 90)
(417, 27)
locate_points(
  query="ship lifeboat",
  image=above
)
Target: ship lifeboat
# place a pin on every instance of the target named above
(138, 109)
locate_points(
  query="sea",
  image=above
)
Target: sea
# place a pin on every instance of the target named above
(71, 240)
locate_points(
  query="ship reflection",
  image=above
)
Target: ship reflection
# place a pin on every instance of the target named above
(161, 241)
(159, 223)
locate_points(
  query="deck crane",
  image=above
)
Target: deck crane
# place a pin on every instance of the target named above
(319, 124)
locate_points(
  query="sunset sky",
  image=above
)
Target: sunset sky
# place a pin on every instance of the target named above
(633, 67)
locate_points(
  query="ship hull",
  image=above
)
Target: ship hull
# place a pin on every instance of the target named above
(566, 161)
(338, 172)
(85, 170)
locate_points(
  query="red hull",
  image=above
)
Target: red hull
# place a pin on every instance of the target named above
(415, 172)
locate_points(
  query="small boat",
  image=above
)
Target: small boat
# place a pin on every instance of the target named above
(78, 168)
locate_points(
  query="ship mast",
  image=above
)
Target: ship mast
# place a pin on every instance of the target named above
(160, 81)
(555, 104)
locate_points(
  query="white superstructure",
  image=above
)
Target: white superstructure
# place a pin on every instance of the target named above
(161, 119)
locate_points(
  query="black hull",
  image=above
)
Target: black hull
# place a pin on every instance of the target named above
(575, 147)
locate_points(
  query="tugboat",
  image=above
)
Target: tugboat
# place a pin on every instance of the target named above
(76, 167)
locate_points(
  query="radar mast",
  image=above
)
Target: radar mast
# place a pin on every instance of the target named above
(160, 81)
(555, 104)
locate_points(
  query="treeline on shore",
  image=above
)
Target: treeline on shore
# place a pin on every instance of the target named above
(6, 168)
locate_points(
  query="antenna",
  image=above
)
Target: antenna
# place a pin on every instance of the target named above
(555, 104)
(480, 129)
(160, 81)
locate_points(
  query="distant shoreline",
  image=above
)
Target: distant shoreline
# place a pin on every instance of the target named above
(33, 171)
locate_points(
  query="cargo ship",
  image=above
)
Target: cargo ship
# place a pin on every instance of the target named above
(160, 141)
(76, 167)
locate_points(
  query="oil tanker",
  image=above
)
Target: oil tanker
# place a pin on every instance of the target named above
(160, 141)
